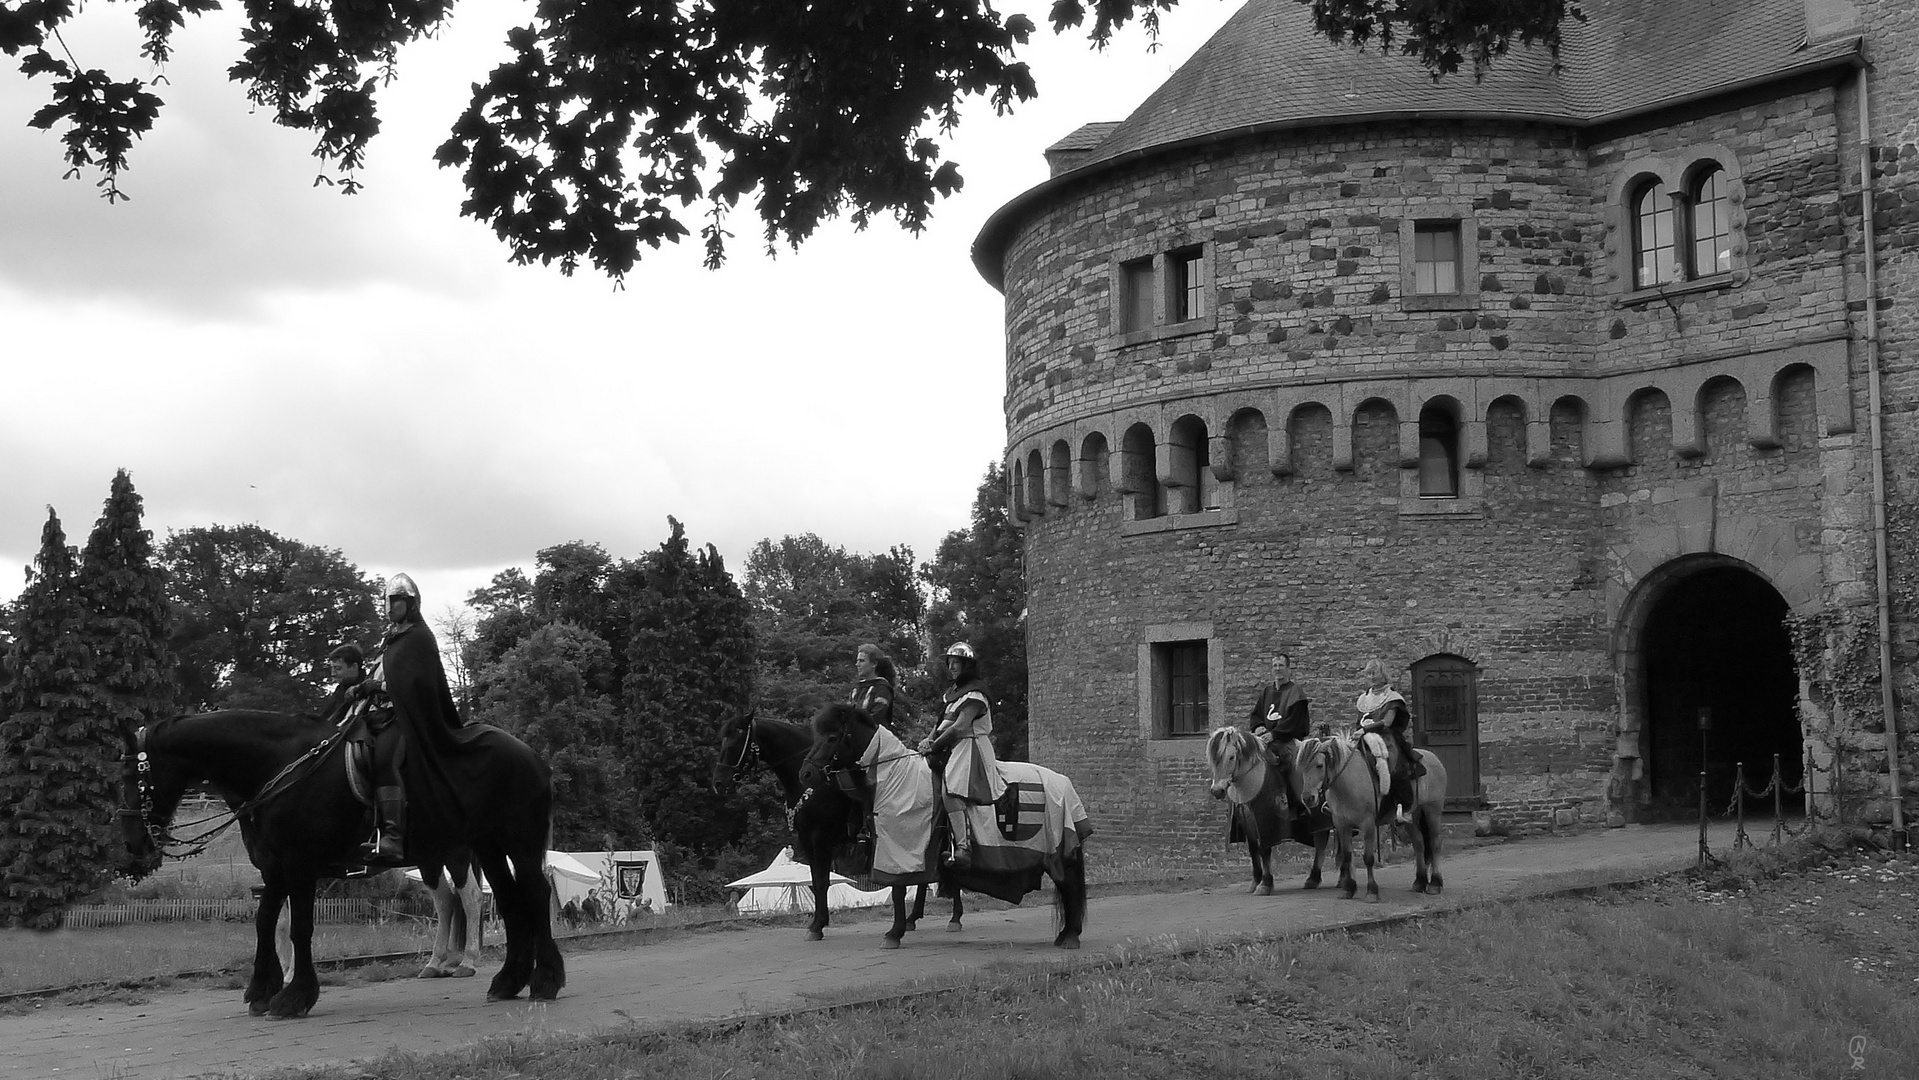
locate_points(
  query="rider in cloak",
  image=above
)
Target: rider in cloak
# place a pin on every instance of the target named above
(1382, 710)
(965, 733)
(416, 727)
(1279, 719)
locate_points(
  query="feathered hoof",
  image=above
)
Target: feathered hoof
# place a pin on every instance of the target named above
(815, 935)
(954, 927)
(432, 972)
(1067, 941)
(495, 995)
(257, 1008)
(1264, 888)
(889, 942)
(461, 972)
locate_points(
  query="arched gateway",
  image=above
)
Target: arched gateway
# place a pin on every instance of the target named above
(1707, 681)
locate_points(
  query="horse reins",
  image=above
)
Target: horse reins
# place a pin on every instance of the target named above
(281, 782)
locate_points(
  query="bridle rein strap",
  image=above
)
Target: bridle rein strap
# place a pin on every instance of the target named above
(292, 773)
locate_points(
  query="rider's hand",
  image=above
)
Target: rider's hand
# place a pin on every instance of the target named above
(926, 745)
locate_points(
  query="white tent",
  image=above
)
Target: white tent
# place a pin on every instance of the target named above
(571, 878)
(786, 885)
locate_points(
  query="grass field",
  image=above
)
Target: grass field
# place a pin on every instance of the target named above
(1787, 967)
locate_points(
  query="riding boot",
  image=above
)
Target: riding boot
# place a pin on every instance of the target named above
(390, 848)
(962, 840)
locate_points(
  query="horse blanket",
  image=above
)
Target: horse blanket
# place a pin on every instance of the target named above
(1037, 825)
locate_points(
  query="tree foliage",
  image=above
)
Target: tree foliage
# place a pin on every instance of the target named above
(609, 119)
(814, 604)
(257, 613)
(59, 750)
(978, 580)
(124, 590)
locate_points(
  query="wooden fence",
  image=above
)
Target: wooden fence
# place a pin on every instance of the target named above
(335, 910)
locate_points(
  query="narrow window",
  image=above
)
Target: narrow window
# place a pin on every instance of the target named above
(1183, 704)
(1136, 295)
(1186, 286)
(1655, 251)
(1435, 257)
(1438, 454)
(1711, 225)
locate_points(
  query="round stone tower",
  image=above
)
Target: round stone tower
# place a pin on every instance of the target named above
(1539, 387)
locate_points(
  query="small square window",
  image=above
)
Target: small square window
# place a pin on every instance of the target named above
(1136, 296)
(1183, 706)
(1436, 258)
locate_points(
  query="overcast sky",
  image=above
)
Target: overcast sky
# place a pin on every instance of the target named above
(371, 374)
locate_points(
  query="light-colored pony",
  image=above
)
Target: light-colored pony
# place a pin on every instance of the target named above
(457, 926)
(1334, 775)
(1244, 775)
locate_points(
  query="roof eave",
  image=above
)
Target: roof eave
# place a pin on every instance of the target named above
(988, 249)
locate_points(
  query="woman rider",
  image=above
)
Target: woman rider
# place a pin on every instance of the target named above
(1381, 709)
(972, 770)
(878, 687)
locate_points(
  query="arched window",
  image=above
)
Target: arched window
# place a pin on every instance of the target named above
(1438, 454)
(1187, 486)
(1655, 253)
(1711, 224)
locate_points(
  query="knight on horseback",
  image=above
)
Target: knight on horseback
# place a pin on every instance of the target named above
(964, 731)
(405, 691)
(1382, 711)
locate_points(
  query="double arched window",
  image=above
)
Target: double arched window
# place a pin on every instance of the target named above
(1684, 236)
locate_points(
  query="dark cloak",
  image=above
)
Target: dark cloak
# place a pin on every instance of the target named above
(1294, 721)
(444, 756)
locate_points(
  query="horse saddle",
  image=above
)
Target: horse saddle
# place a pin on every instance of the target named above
(359, 759)
(1378, 756)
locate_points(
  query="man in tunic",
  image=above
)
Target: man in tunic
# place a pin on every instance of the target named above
(346, 667)
(1279, 719)
(972, 769)
(411, 713)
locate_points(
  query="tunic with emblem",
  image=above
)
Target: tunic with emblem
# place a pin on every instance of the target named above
(972, 771)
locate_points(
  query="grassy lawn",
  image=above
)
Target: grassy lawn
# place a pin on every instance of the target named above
(1770, 967)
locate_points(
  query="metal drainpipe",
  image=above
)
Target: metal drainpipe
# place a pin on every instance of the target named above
(1887, 703)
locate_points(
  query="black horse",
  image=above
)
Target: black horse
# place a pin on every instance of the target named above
(285, 778)
(824, 818)
(842, 735)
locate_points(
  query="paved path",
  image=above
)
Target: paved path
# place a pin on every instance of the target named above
(735, 973)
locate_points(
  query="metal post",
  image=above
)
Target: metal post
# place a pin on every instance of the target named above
(1704, 852)
(1739, 837)
(1778, 804)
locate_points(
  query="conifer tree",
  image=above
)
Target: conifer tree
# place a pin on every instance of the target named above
(57, 841)
(690, 666)
(124, 591)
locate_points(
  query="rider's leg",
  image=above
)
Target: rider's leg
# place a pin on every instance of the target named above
(962, 840)
(389, 796)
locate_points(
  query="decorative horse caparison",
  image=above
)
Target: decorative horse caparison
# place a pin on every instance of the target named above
(1337, 776)
(285, 777)
(1245, 775)
(823, 817)
(842, 736)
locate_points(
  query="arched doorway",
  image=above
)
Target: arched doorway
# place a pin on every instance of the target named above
(1713, 646)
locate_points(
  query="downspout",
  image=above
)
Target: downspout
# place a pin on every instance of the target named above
(1887, 703)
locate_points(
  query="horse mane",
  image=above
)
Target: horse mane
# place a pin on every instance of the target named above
(1215, 743)
(838, 715)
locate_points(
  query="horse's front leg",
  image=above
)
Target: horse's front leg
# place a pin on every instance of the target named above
(1263, 871)
(445, 914)
(1319, 857)
(893, 936)
(919, 908)
(1347, 885)
(296, 998)
(1372, 832)
(268, 976)
(822, 884)
(959, 910)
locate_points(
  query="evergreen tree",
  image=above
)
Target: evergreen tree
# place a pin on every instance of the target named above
(125, 594)
(59, 751)
(979, 596)
(689, 667)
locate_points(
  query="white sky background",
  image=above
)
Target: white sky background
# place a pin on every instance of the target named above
(372, 374)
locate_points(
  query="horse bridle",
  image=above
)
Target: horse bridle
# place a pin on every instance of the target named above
(163, 837)
(1329, 746)
(747, 746)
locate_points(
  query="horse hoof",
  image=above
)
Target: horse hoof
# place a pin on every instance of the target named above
(1311, 882)
(889, 942)
(495, 995)
(461, 972)
(434, 973)
(816, 935)
(954, 927)
(1067, 941)
(1434, 891)
(257, 1008)
(1264, 888)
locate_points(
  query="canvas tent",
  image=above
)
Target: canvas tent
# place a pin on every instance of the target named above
(635, 874)
(786, 886)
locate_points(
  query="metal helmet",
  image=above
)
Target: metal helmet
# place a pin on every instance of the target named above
(401, 585)
(961, 650)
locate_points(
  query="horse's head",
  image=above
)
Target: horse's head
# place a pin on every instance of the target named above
(1230, 751)
(840, 736)
(1318, 762)
(146, 806)
(736, 750)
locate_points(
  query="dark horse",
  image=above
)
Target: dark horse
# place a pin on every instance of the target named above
(823, 818)
(285, 778)
(842, 735)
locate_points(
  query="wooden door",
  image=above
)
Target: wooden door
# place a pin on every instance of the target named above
(1446, 721)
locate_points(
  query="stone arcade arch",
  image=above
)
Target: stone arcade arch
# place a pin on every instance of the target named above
(1707, 632)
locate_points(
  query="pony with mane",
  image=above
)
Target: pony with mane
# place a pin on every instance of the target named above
(1245, 775)
(1337, 776)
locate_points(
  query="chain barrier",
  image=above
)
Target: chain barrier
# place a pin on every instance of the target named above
(1776, 787)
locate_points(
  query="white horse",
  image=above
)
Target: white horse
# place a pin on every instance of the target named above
(458, 929)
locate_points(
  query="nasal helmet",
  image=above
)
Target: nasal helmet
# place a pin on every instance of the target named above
(961, 650)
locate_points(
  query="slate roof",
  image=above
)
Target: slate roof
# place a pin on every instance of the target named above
(1266, 69)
